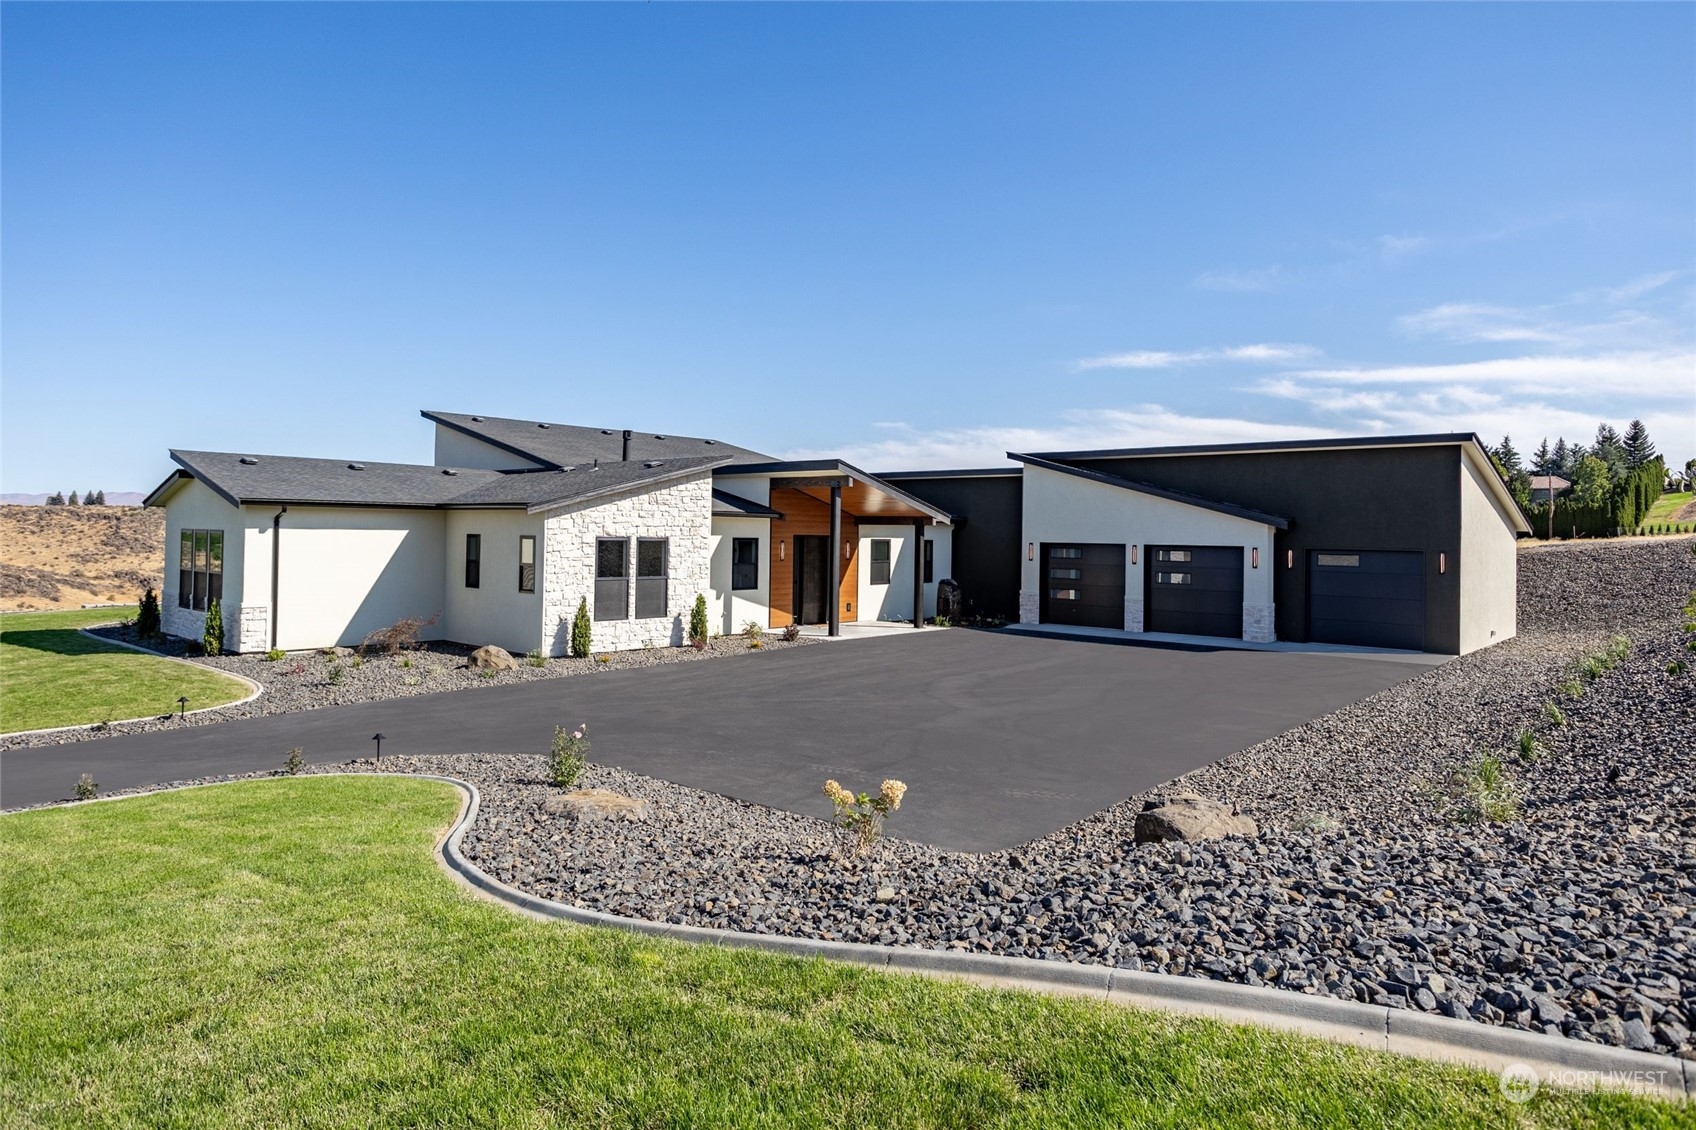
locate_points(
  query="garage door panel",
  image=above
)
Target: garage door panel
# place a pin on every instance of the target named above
(1083, 585)
(1367, 598)
(1195, 590)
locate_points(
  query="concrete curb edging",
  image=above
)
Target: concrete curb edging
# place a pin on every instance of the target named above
(254, 691)
(1556, 1059)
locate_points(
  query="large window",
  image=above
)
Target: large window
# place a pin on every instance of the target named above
(745, 563)
(653, 558)
(527, 563)
(930, 560)
(473, 560)
(612, 573)
(200, 569)
(880, 561)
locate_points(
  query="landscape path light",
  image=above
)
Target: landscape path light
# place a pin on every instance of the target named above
(378, 738)
(182, 707)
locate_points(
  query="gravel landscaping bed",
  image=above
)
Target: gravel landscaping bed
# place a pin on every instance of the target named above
(306, 680)
(1575, 917)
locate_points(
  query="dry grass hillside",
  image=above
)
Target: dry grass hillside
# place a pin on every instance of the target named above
(65, 556)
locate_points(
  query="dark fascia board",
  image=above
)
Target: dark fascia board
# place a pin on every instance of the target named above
(542, 464)
(1157, 492)
(620, 488)
(188, 472)
(1431, 440)
(744, 507)
(156, 496)
(802, 466)
(969, 473)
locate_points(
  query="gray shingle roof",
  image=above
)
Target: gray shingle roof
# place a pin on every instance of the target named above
(341, 482)
(561, 445)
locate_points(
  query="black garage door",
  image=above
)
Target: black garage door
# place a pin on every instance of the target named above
(1368, 599)
(1084, 585)
(1195, 589)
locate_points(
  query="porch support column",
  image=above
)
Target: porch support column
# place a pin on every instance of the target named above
(918, 572)
(835, 571)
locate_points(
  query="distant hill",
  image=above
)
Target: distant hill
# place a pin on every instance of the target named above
(66, 556)
(113, 498)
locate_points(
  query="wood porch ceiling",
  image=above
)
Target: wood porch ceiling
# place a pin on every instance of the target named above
(859, 499)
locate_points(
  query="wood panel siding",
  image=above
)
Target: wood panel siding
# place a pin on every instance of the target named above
(805, 515)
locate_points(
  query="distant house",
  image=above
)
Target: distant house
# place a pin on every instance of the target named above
(1541, 485)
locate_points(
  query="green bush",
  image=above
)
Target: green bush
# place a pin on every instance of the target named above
(335, 674)
(275, 654)
(212, 635)
(698, 621)
(569, 755)
(582, 629)
(147, 620)
(292, 765)
(1529, 748)
(86, 788)
(1482, 794)
(536, 658)
(1554, 713)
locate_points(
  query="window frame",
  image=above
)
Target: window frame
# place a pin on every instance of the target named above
(655, 582)
(606, 608)
(930, 560)
(527, 547)
(473, 561)
(200, 575)
(741, 581)
(886, 566)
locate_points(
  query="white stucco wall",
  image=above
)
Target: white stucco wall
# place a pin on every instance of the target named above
(1489, 564)
(196, 506)
(755, 488)
(681, 511)
(729, 610)
(894, 601)
(456, 449)
(1065, 508)
(495, 612)
(348, 571)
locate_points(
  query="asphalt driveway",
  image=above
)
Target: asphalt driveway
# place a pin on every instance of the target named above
(1000, 738)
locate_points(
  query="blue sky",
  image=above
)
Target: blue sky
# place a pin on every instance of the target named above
(910, 235)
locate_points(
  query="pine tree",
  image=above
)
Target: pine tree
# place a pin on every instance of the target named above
(55, 499)
(147, 619)
(1610, 449)
(212, 635)
(1508, 457)
(1560, 463)
(582, 629)
(1542, 461)
(100, 498)
(698, 620)
(73, 500)
(88, 498)
(1638, 449)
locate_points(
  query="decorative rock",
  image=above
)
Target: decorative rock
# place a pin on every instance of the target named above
(491, 658)
(885, 894)
(597, 804)
(337, 652)
(1186, 816)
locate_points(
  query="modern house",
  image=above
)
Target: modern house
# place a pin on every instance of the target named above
(1402, 542)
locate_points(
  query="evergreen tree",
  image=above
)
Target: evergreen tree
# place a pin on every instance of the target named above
(55, 499)
(1508, 457)
(698, 620)
(1542, 461)
(212, 635)
(1560, 462)
(1610, 449)
(1638, 449)
(147, 620)
(73, 500)
(88, 498)
(582, 629)
(100, 498)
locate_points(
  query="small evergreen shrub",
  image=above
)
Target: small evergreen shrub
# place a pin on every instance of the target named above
(292, 765)
(335, 674)
(569, 755)
(147, 620)
(86, 788)
(698, 621)
(582, 628)
(212, 635)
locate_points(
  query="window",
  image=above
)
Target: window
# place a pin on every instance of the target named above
(527, 563)
(473, 560)
(1173, 555)
(1067, 552)
(1062, 594)
(880, 561)
(1171, 578)
(200, 569)
(930, 559)
(1344, 560)
(745, 563)
(612, 589)
(1065, 574)
(652, 560)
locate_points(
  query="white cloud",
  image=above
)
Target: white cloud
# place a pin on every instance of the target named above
(1161, 359)
(1393, 247)
(1642, 374)
(1254, 280)
(1637, 288)
(1473, 321)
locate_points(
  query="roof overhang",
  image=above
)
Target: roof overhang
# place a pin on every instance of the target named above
(162, 493)
(639, 486)
(1475, 453)
(864, 495)
(480, 437)
(1150, 489)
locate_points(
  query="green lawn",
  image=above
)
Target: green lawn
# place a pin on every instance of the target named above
(50, 675)
(287, 952)
(1666, 506)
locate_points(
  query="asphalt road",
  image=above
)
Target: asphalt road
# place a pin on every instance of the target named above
(1000, 738)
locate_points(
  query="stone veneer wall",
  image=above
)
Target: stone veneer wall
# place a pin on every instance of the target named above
(1030, 607)
(1133, 614)
(1258, 623)
(246, 626)
(681, 512)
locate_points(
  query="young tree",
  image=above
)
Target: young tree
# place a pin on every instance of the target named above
(55, 499)
(1638, 449)
(1591, 482)
(1542, 459)
(698, 620)
(1610, 449)
(582, 629)
(212, 636)
(73, 500)
(147, 620)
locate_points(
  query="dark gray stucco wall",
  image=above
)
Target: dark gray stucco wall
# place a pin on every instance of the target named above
(1390, 498)
(986, 544)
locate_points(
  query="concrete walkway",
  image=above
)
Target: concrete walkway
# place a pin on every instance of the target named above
(1000, 737)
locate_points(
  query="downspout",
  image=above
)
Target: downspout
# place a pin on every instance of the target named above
(276, 562)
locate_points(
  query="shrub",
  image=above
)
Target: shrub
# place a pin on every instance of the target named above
(275, 654)
(1529, 748)
(1482, 794)
(212, 635)
(86, 788)
(864, 815)
(698, 621)
(1311, 822)
(581, 630)
(401, 635)
(1572, 688)
(1677, 667)
(335, 674)
(292, 765)
(1554, 713)
(791, 633)
(147, 620)
(406, 661)
(603, 659)
(356, 661)
(536, 658)
(753, 630)
(569, 755)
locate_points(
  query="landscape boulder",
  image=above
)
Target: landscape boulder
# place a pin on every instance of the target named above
(337, 652)
(596, 804)
(492, 658)
(1186, 816)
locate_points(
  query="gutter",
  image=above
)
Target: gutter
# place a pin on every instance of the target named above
(276, 564)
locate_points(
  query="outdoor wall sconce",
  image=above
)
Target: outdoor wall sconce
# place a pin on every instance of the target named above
(847, 551)
(1030, 551)
(1133, 555)
(1289, 559)
(780, 549)
(1442, 563)
(1254, 558)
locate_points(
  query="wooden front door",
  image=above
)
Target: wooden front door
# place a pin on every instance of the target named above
(812, 579)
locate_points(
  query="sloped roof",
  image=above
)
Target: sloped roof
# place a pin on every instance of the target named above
(730, 505)
(1195, 500)
(560, 445)
(266, 479)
